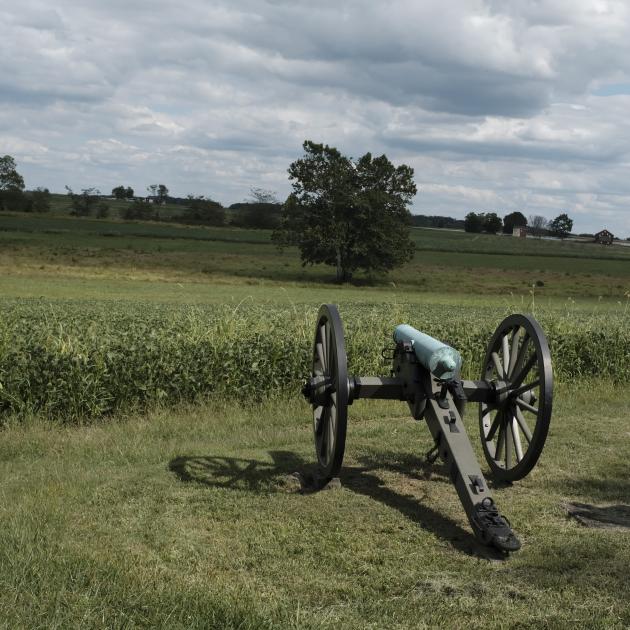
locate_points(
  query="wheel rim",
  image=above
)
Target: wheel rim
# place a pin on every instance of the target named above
(514, 430)
(330, 416)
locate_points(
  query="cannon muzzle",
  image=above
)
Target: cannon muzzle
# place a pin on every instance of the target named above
(441, 360)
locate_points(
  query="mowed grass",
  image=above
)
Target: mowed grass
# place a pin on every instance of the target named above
(190, 519)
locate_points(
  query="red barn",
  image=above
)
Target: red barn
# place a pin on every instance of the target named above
(604, 237)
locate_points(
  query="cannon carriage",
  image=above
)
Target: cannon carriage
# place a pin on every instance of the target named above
(514, 395)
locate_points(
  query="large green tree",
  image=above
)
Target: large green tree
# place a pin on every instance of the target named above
(83, 204)
(561, 226)
(349, 214)
(474, 222)
(10, 179)
(491, 222)
(205, 211)
(512, 220)
(40, 200)
(11, 185)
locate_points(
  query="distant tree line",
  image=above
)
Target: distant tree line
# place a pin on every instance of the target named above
(537, 225)
(261, 210)
(434, 221)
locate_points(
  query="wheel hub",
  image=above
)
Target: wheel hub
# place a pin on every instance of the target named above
(317, 390)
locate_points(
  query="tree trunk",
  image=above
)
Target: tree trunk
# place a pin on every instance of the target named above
(340, 272)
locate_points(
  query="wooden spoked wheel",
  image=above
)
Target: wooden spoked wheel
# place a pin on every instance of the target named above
(514, 428)
(329, 391)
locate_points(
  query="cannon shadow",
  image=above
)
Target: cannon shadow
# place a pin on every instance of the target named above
(256, 476)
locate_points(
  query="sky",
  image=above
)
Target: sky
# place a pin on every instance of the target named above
(498, 105)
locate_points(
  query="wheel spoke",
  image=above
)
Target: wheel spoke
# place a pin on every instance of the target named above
(320, 355)
(525, 388)
(487, 409)
(523, 405)
(495, 425)
(523, 424)
(506, 353)
(522, 353)
(524, 371)
(509, 443)
(330, 353)
(318, 412)
(323, 445)
(514, 351)
(497, 364)
(322, 335)
(498, 453)
(516, 436)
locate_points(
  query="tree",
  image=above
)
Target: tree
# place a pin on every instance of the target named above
(10, 179)
(206, 211)
(159, 192)
(261, 195)
(491, 223)
(11, 185)
(473, 222)
(102, 210)
(139, 209)
(118, 192)
(537, 224)
(162, 193)
(561, 226)
(350, 215)
(512, 220)
(84, 203)
(40, 200)
(261, 210)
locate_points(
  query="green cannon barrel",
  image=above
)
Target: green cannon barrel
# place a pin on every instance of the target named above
(441, 360)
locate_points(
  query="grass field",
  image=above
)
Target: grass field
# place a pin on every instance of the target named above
(185, 515)
(34, 247)
(188, 518)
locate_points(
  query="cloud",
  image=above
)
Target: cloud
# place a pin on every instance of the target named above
(506, 104)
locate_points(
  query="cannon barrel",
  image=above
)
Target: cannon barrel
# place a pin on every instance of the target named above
(440, 359)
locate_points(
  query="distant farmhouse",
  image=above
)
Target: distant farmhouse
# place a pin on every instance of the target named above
(520, 231)
(604, 237)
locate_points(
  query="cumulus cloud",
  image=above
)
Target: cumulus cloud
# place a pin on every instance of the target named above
(498, 105)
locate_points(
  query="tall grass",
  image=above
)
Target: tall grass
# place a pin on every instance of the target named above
(77, 360)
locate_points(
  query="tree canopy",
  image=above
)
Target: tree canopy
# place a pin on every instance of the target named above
(482, 222)
(352, 215)
(561, 226)
(204, 211)
(120, 192)
(512, 220)
(11, 186)
(83, 204)
(10, 179)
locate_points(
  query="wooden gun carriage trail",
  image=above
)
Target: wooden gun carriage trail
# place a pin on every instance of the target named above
(514, 395)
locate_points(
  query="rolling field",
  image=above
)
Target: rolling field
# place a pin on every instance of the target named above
(445, 262)
(151, 419)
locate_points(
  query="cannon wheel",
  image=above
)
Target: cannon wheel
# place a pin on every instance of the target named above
(514, 430)
(330, 418)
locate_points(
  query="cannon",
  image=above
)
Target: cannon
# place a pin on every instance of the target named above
(514, 395)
